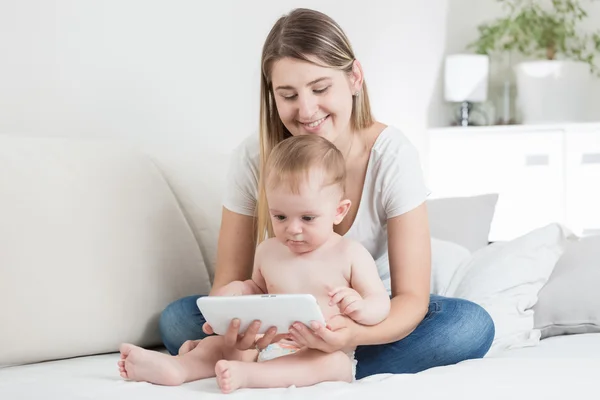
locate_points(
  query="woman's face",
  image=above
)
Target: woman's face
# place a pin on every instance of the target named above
(313, 100)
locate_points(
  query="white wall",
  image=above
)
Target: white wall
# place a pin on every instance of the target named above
(187, 71)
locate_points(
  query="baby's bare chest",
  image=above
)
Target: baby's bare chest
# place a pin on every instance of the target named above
(308, 277)
(315, 277)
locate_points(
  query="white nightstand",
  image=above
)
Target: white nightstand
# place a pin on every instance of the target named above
(543, 174)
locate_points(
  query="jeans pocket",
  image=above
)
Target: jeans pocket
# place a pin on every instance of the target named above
(434, 307)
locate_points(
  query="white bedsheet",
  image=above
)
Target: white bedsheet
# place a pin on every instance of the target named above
(564, 367)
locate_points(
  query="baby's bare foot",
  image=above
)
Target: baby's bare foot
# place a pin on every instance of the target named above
(143, 365)
(231, 375)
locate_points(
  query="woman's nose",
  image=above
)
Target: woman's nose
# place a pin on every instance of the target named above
(307, 107)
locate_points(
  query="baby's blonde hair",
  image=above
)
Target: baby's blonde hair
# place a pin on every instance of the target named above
(293, 160)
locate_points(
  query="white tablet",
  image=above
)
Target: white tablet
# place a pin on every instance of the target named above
(280, 310)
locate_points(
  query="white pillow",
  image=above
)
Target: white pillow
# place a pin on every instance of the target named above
(463, 220)
(569, 303)
(446, 257)
(505, 279)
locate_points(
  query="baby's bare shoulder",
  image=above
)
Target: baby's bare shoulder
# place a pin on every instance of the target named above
(356, 252)
(350, 244)
(267, 243)
(266, 248)
(350, 247)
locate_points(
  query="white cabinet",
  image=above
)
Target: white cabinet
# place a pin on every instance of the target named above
(583, 180)
(542, 174)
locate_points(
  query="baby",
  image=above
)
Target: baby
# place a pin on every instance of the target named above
(304, 185)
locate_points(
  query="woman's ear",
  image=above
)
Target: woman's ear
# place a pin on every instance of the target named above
(356, 78)
(341, 211)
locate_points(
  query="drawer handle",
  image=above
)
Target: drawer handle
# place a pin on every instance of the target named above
(590, 232)
(537, 159)
(590, 158)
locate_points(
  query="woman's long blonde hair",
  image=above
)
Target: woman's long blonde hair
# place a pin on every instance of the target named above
(306, 35)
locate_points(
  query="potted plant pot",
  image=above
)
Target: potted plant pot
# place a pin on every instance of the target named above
(551, 91)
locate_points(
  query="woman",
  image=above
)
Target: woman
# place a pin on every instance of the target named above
(312, 84)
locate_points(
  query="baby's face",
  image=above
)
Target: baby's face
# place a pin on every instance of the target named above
(304, 221)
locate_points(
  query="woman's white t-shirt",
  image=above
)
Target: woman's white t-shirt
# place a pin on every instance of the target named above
(394, 185)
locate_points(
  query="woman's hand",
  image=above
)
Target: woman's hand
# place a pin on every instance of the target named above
(241, 341)
(337, 335)
(246, 340)
(188, 346)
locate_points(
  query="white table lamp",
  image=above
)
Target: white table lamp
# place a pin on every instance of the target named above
(466, 78)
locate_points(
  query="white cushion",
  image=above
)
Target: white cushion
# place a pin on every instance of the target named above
(570, 302)
(446, 258)
(463, 220)
(505, 279)
(93, 246)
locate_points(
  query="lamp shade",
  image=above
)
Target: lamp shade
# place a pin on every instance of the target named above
(466, 77)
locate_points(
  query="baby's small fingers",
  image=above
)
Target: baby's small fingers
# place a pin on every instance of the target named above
(339, 296)
(348, 301)
(336, 290)
(352, 307)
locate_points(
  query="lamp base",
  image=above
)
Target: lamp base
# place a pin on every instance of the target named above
(465, 112)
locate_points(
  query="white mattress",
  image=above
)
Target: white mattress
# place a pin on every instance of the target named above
(563, 367)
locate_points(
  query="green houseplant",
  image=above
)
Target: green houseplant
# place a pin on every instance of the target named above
(561, 56)
(541, 29)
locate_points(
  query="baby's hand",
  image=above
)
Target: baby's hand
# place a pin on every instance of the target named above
(348, 300)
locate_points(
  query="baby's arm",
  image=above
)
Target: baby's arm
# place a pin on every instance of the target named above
(367, 302)
(254, 285)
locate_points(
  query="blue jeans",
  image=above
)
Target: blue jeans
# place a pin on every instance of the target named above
(453, 330)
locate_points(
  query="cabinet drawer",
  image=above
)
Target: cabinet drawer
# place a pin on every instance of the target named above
(583, 181)
(526, 169)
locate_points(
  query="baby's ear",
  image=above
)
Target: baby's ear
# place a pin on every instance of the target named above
(341, 211)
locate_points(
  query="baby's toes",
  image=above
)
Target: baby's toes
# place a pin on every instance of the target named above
(122, 370)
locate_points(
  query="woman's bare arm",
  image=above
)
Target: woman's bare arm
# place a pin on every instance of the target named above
(235, 249)
(254, 285)
(409, 249)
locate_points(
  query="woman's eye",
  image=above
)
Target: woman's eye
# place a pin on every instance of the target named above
(320, 91)
(290, 97)
(308, 218)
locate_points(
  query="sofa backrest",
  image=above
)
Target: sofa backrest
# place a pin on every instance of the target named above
(196, 176)
(93, 246)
